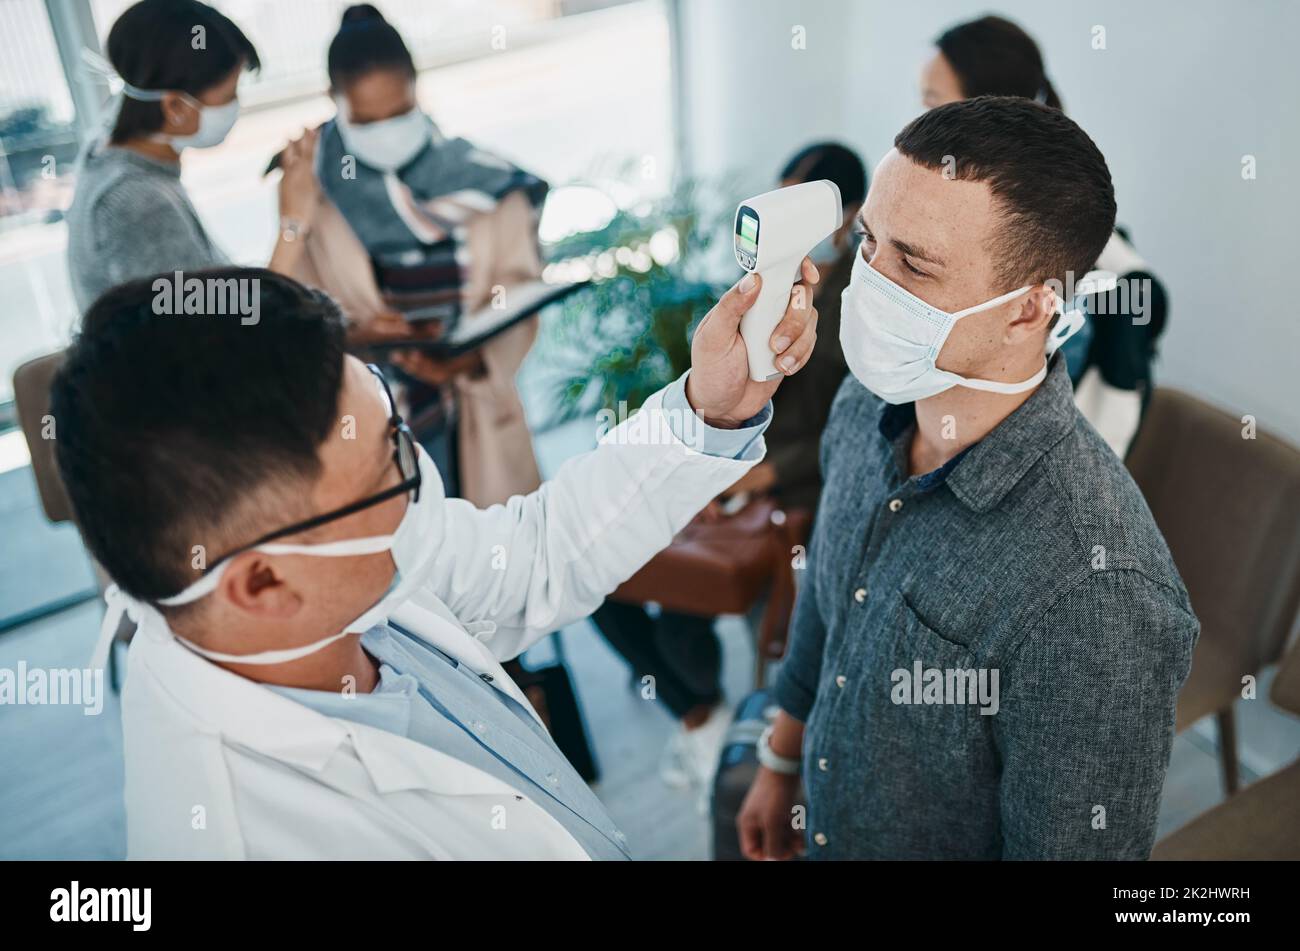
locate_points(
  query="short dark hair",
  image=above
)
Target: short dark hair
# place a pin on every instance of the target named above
(151, 47)
(1049, 177)
(830, 160)
(364, 43)
(994, 57)
(170, 427)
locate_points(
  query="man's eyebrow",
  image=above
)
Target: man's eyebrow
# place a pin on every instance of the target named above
(912, 251)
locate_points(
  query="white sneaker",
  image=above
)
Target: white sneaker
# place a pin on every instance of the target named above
(672, 765)
(701, 747)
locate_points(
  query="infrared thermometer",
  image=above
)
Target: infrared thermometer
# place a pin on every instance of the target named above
(774, 233)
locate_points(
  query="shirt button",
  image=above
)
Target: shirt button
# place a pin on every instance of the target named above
(841, 680)
(820, 838)
(553, 779)
(860, 595)
(487, 678)
(480, 726)
(895, 504)
(824, 764)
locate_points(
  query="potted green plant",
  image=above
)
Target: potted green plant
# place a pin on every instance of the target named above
(628, 334)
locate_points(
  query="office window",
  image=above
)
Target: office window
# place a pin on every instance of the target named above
(575, 91)
(38, 146)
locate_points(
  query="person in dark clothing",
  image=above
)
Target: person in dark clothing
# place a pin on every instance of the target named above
(680, 651)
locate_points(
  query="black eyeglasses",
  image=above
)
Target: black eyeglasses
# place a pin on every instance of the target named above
(405, 457)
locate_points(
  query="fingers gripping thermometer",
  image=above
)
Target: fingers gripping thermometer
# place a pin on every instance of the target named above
(774, 232)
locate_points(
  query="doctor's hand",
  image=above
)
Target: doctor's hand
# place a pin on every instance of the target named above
(719, 387)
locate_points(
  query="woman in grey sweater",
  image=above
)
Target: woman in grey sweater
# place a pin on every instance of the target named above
(130, 215)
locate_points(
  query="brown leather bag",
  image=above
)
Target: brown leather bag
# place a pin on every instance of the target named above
(725, 567)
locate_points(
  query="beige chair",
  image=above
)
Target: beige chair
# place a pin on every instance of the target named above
(1229, 508)
(32, 383)
(1263, 820)
(32, 399)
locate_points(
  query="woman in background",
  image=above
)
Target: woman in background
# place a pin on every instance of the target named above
(414, 223)
(130, 215)
(1110, 359)
(681, 651)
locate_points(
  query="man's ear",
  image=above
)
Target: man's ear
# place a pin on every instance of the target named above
(1032, 314)
(253, 583)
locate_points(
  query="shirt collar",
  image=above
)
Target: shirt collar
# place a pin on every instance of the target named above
(997, 462)
(105, 152)
(991, 467)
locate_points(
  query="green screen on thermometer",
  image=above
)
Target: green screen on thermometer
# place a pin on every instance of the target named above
(747, 234)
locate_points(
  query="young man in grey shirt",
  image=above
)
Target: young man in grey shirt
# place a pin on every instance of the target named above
(990, 636)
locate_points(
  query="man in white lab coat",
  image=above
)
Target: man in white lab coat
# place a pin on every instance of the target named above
(317, 667)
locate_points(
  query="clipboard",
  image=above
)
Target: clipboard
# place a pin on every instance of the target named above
(474, 330)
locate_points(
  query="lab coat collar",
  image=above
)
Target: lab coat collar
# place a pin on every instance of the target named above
(221, 702)
(396, 763)
(242, 711)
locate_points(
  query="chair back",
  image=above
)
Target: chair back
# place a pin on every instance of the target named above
(32, 399)
(1229, 508)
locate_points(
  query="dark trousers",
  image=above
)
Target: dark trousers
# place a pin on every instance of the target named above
(680, 651)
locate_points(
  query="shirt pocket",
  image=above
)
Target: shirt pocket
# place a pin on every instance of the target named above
(931, 680)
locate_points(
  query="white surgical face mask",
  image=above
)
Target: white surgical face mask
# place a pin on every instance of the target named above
(413, 553)
(215, 123)
(891, 338)
(388, 144)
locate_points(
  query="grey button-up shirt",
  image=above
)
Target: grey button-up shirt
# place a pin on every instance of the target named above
(986, 657)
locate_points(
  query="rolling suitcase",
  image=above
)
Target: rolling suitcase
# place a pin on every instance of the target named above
(737, 766)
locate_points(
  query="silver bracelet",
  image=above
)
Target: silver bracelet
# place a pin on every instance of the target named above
(291, 230)
(770, 760)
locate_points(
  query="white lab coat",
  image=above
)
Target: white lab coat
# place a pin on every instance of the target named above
(218, 766)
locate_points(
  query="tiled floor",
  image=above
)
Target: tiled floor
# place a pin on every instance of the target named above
(61, 772)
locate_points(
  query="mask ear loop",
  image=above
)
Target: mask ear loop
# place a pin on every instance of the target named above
(343, 548)
(97, 67)
(1071, 323)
